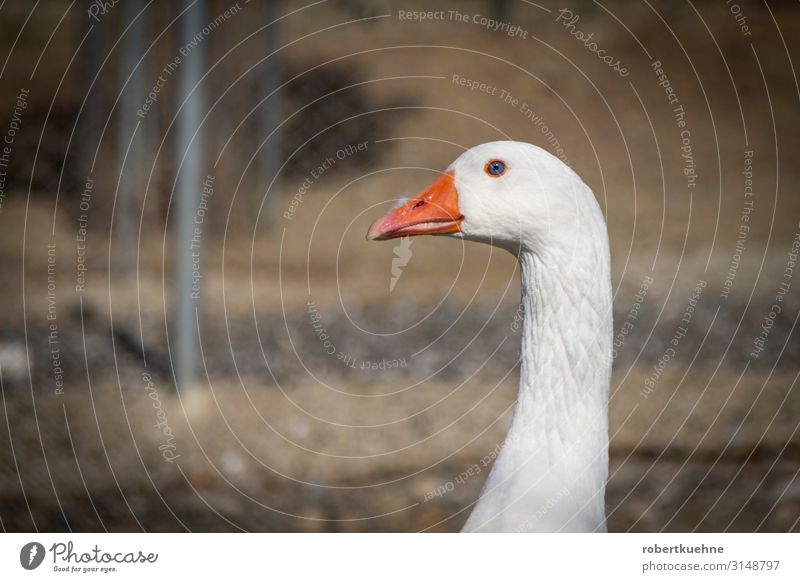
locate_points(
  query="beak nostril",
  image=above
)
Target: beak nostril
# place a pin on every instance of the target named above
(433, 211)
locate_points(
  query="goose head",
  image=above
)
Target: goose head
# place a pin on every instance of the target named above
(509, 194)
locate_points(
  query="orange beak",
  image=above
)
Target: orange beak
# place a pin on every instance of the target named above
(434, 211)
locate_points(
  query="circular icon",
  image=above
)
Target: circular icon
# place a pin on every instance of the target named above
(31, 555)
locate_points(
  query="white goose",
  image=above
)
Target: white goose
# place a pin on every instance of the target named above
(551, 473)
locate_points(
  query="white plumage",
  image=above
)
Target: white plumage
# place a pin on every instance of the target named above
(551, 473)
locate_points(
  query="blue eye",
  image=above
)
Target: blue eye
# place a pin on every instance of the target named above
(495, 168)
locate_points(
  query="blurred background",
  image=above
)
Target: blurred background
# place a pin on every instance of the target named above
(195, 334)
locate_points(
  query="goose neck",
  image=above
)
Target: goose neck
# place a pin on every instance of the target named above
(551, 472)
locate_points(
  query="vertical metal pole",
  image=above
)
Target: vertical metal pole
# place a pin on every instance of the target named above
(130, 178)
(269, 79)
(189, 184)
(94, 110)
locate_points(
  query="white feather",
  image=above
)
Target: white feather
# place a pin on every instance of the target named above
(551, 472)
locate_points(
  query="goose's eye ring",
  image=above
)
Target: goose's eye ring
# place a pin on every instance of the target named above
(495, 168)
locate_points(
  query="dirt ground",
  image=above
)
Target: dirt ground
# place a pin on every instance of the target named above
(277, 434)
